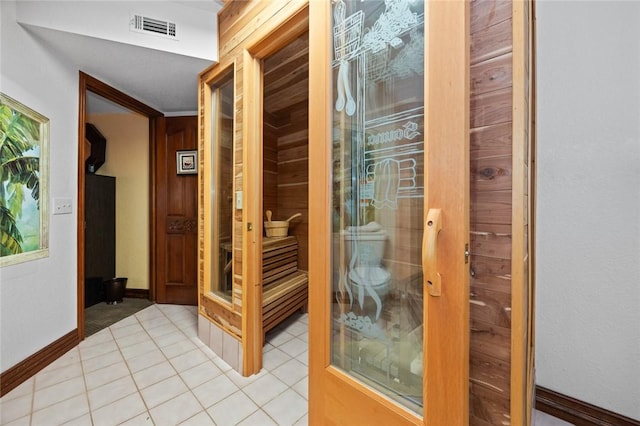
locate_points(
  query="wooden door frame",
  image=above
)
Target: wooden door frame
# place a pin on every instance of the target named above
(446, 85)
(91, 84)
(263, 43)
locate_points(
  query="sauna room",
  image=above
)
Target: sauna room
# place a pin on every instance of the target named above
(256, 250)
(285, 182)
(381, 183)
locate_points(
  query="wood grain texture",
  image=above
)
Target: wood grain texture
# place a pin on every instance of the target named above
(488, 405)
(287, 188)
(491, 240)
(491, 211)
(491, 108)
(491, 207)
(487, 13)
(522, 291)
(490, 141)
(492, 74)
(491, 41)
(250, 33)
(177, 238)
(578, 413)
(492, 373)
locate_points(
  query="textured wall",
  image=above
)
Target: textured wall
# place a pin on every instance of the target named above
(38, 298)
(588, 218)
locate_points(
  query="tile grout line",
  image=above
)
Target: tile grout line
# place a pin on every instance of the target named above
(33, 392)
(184, 317)
(190, 391)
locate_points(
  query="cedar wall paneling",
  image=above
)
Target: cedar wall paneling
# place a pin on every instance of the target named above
(286, 139)
(270, 168)
(499, 270)
(491, 198)
(286, 174)
(293, 179)
(237, 22)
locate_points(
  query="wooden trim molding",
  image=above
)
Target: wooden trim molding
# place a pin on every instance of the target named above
(19, 373)
(578, 412)
(87, 83)
(137, 293)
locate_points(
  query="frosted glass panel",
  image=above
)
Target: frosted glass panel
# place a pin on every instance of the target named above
(378, 194)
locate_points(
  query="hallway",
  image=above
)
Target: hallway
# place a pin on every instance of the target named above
(151, 368)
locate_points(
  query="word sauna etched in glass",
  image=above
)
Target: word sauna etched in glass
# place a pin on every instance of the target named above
(378, 195)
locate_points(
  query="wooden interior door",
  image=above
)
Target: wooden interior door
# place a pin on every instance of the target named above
(389, 213)
(177, 208)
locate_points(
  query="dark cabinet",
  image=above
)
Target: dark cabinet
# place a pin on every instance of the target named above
(100, 235)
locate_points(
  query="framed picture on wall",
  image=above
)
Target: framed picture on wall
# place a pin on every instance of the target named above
(187, 162)
(24, 183)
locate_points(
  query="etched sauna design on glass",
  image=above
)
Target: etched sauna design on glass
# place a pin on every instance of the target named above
(378, 194)
(222, 187)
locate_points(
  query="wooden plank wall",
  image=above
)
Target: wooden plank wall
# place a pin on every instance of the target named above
(286, 175)
(491, 211)
(270, 167)
(293, 179)
(237, 22)
(286, 163)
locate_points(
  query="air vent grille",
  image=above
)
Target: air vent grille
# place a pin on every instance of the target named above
(144, 24)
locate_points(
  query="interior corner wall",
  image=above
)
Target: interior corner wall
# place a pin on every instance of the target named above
(38, 302)
(588, 202)
(127, 159)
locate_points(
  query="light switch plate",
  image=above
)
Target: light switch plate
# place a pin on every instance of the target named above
(239, 200)
(62, 206)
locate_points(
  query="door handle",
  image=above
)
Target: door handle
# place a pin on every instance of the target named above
(432, 228)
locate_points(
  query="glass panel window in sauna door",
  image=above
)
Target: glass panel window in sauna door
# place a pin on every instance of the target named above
(378, 195)
(222, 187)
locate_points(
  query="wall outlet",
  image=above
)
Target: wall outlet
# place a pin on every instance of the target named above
(62, 206)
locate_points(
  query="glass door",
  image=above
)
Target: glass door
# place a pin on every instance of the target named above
(378, 196)
(395, 216)
(221, 175)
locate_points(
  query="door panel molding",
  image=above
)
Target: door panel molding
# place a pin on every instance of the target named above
(176, 267)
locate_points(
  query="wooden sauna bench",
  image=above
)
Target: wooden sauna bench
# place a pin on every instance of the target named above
(284, 287)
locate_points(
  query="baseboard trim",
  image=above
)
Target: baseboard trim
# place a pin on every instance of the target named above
(578, 412)
(137, 293)
(22, 371)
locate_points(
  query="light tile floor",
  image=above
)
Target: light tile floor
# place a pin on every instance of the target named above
(151, 369)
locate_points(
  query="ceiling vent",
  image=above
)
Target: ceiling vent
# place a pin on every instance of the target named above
(144, 24)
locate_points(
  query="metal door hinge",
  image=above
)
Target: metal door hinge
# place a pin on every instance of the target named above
(466, 254)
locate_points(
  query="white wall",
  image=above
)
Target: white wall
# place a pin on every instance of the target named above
(127, 159)
(588, 218)
(38, 298)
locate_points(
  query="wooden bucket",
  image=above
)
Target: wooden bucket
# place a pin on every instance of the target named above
(278, 228)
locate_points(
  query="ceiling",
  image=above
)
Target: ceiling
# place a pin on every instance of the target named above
(162, 80)
(286, 81)
(168, 82)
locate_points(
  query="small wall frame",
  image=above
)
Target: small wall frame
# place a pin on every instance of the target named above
(24, 184)
(187, 162)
